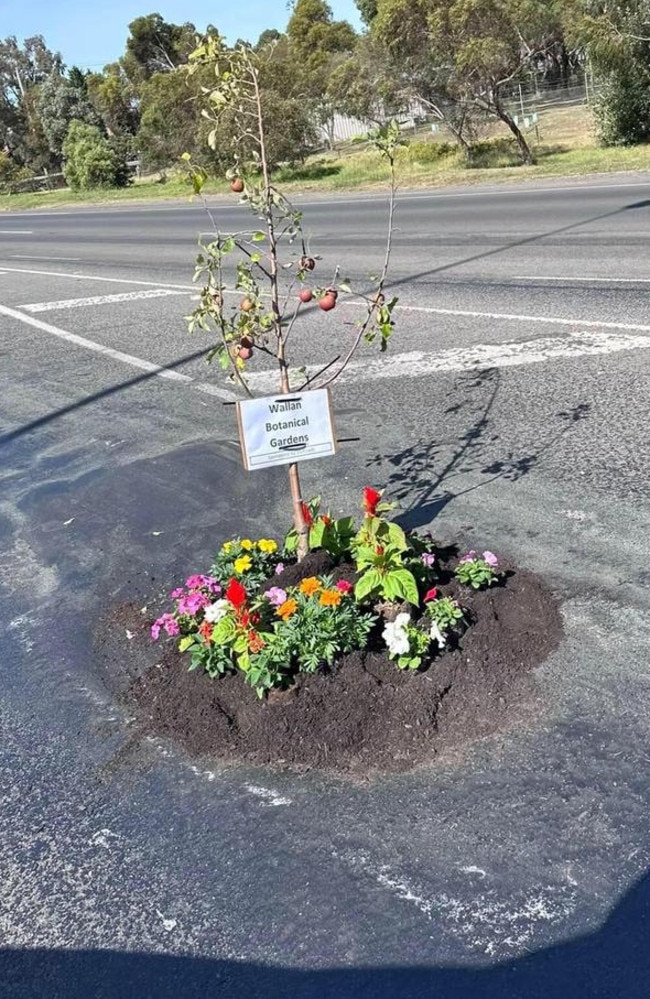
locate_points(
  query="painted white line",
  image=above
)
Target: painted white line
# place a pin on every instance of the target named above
(569, 280)
(31, 256)
(115, 355)
(419, 363)
(518, 317)
(16, 232)
(95, 277)
(82, 303)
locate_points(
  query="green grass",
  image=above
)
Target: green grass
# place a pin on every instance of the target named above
(566, 147)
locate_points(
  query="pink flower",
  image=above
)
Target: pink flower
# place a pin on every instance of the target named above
(428, 559)
(192, 603)
(343, 586)
(469, 557)
(175, 594)
(276, 595)
(198, 581)
(491, 560)
(166, 621)
(279, 568)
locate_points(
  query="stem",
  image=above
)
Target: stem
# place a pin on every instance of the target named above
(300, 524)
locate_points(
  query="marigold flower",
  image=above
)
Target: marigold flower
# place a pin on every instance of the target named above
(247, 544)
(310, 586)
(255, 641)
(287, 609)
(371, 498)
(226, 547)
(267, 545)
(236, 594)
(243, 563)
(343, 586)
(205, 631)
(330, 598)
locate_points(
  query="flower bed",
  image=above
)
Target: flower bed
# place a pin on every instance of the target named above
(327, 662)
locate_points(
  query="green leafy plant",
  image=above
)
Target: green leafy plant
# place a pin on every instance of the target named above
(478, 570)
(407, 644)
(379, 549)
(332, 536)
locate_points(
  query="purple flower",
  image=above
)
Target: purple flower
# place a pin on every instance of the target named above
(176, 594)
(428, 559)
(279, 568)
(469, 557)
(193, 582)
(491, 560)
(276, 595)
(193, 603)
(213, 586)
(155, 630)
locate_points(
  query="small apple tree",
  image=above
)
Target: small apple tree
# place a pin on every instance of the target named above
(274, 285)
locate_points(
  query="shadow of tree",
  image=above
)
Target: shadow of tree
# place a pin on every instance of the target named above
(611, 963)
(422, 474)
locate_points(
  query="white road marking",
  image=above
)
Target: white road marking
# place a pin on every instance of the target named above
(115, 355)
(82, 303)
(95, 277)
(16, 232)
(270, 798)
(607, 280)
(518, 317)
(31, 256)
(419, 363)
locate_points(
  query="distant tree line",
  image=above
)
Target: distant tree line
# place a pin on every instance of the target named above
(457, 59)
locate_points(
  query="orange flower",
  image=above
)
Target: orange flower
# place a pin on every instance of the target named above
(330, 598)
(255, 641)
(205, 631)
(287, 609)
(310, 586)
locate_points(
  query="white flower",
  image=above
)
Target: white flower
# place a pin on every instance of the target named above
(216, 611)
(395, 634)
(437, 635)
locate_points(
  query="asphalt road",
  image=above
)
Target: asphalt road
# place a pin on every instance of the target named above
(511, 412)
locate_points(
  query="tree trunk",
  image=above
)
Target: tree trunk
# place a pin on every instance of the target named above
(524, 148)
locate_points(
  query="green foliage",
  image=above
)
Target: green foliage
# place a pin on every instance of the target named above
(170, 121)
(90, 159)
(156, 46)
(380, 548)
(445, 612)
(12, 175)
(476, 571)
(60, 103)
(622, 107)
(429, 152)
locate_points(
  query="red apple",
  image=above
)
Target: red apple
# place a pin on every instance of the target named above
(306, 295)
(327, 302)
(245, 353)
(237, 185)
(246, 304)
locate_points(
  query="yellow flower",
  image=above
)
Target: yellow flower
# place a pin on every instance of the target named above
(243, 563)
(226, 547)
(287, 609)
(330, 598)
(247, 544)
(267, 546)
(310, 586)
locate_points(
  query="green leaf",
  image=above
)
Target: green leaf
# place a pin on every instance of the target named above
(258, 237)
(370, 581)
(186, 643)
(405, 585)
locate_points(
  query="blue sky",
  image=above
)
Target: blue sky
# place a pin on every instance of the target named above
(90, 33)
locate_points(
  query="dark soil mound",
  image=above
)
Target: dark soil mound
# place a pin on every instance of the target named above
(364, 715)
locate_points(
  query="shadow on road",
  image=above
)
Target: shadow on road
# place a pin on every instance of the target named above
(611, 963)
(422, 472)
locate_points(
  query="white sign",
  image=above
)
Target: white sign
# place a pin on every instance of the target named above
(278, 430)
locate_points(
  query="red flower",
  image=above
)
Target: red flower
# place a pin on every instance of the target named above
(326, 520)
(236, 594)
(205, 631)
(343, 586)
(370, 500)
(379, 550)
(306, 514)
(431, 595)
